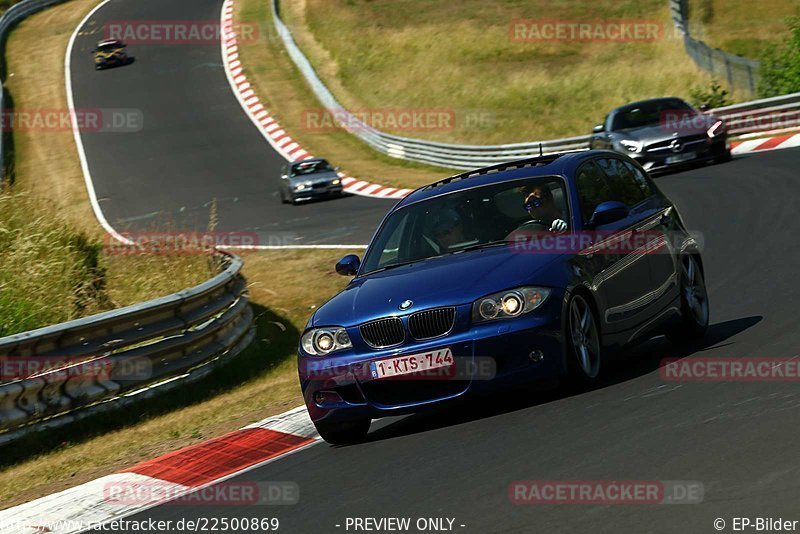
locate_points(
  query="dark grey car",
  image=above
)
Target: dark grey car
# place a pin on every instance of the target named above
(309, 179)
(663, 132)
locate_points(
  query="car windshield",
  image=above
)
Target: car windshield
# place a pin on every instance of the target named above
(649, 113)
(107, 47)
(311, 167)
(468, 219)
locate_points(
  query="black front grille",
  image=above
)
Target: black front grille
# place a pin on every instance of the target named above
(383, 332)
(398, 392)
(431, 323)
(682, 140)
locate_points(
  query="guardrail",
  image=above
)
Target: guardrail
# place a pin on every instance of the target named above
(737, 70)
(121, 354)
(745, 118)
(8, 20)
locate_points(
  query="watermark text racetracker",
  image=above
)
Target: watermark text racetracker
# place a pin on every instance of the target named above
(395, 119)
(192, 243)
(104, 120)
(610, 30)
(605, 492)
(176, 32)
(229, 493)
(705, 369)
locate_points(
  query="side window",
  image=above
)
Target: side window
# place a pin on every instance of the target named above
(592, 188)
(641, 179)
(623, 183)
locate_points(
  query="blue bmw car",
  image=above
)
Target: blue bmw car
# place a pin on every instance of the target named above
(529, 269)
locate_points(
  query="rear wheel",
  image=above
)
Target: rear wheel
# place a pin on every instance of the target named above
(583, 341)
(344, 433)
(694, 302)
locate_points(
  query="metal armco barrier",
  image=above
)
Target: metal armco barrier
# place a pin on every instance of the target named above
(112, 355)
(749, 117)
(8, 20)
(739, 71)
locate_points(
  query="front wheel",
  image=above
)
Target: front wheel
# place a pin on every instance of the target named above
(343, 433)
(694, 302)
(583, 341)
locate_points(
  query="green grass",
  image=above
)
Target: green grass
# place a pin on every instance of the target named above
(459, 56)
(741, 26)
(50, 272)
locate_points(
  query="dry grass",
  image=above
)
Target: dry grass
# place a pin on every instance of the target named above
(736, 27)
(285, 93)
(459, 56)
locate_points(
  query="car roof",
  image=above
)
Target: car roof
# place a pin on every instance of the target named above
(561, 164)
(108, 42)
(309, 160)
(639, 103)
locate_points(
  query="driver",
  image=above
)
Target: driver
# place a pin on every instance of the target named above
(447, 231)
(541, 206)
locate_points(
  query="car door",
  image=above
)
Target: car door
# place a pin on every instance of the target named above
(662, 230)
(621, 275)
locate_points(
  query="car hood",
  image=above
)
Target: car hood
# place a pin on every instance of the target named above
(448, 280)
(326, 176)
(661, 132)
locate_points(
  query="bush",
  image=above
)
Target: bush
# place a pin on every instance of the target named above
(714, 97)
(780, 65)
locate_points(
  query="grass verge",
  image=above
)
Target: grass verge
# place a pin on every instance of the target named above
(734, 26)
(461, 57)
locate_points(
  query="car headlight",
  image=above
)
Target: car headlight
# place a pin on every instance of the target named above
(322, 341)
(717, 128)
(300, 187)
(336, 182)
(508, 304)
(632, 146)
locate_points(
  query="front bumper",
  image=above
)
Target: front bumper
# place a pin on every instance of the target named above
(488, 356)
(692, 154)
(316, 192)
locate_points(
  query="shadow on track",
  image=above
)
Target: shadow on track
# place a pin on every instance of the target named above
(638, 361)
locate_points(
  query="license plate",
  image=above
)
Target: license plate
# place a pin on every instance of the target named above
(415, 364)
(680, 157)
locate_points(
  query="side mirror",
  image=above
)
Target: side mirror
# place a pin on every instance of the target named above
(608, 212)
(348, 266)
(704, 107)
(599, 128)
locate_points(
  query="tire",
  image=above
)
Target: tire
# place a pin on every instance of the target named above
(283, 197)
(344, 433)
(724, 158)
(583, 341)
(694, 302)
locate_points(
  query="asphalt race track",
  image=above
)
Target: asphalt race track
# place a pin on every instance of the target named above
(738, 439)
(196, 144)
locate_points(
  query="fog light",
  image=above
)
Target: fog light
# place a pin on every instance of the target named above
(327, 397)
(536, 356)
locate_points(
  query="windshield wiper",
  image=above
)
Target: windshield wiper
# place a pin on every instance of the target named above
(392, 266)
(479, 246)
